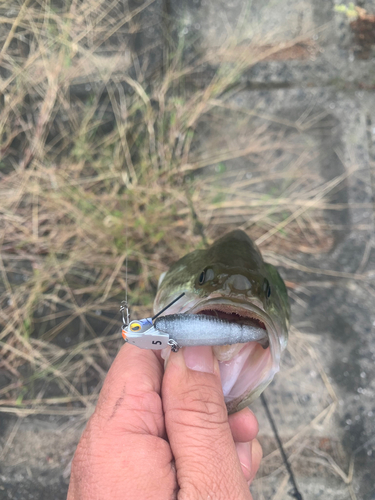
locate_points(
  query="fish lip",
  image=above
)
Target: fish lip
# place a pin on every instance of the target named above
(256, 311)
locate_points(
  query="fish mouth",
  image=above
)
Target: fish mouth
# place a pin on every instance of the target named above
(245, 369)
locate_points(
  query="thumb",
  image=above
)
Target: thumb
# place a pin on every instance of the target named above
(199, 434)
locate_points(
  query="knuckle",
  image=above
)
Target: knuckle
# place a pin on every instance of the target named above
(91, 450)
(206, 402)
(198, 482)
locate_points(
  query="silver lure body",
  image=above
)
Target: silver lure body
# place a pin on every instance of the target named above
(180, 330)
(199, 329)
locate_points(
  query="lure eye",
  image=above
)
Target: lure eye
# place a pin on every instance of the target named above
(135, 327)
(206, 275)
(266, 288)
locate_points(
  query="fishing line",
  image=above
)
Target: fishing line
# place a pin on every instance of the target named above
(168, 306)
(296, 493)
(124, 309)
(126, 250)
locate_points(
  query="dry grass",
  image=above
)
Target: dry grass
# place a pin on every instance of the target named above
(106, 154)
(103, 158)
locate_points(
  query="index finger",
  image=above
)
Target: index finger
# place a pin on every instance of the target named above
(130, 396)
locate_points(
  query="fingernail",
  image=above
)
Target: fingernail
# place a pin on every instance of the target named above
(165, 353)
(244, 454)
(256, 457)
(200, 359)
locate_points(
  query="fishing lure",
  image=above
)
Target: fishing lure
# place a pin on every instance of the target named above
(180, 330)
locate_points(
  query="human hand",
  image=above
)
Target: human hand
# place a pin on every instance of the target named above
(166, 437)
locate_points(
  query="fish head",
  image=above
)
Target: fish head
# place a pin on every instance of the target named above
(230, 280)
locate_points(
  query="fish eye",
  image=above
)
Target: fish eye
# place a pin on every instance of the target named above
(206, 275)
(202, 277)
(266, 288)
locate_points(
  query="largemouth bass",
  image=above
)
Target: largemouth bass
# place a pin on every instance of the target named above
(231, 281)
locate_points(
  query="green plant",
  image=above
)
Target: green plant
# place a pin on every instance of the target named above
(348, 10)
